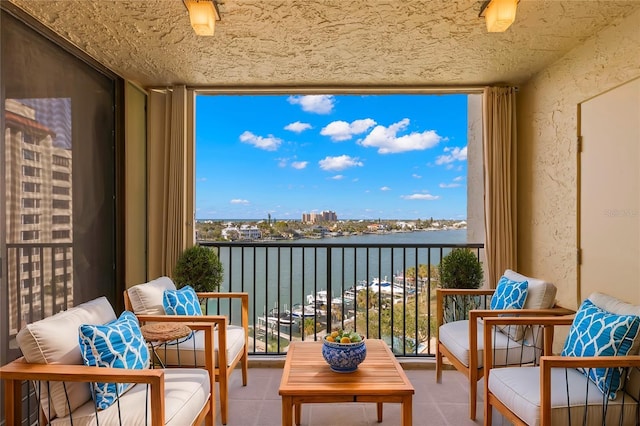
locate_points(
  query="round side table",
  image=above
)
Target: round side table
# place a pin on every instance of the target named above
(160, 333)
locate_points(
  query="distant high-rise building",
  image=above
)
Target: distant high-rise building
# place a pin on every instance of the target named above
(325, 216)
(38, 217)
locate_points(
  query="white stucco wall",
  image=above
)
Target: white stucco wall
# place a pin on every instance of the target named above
(547, 155)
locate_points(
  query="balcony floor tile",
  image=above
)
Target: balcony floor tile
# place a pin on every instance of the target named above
(258, 404)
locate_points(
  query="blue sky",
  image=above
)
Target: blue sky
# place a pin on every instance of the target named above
(362, 156)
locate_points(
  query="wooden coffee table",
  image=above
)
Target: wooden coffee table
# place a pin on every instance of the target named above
(307, 378)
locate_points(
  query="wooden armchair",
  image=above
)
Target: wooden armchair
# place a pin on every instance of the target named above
(557, 391)
(461, 341)
(230, 341)
(53, 361)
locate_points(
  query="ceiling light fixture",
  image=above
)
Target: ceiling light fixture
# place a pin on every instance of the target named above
(203, 15)
(499, 14)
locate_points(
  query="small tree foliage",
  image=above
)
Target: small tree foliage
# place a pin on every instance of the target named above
(460, 269)
(199, 267)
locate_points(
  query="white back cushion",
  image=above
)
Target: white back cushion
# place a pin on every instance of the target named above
(146, 299)
(54, 340)
(540, 294)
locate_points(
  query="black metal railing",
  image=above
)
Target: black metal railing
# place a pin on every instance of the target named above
(300, 290)
(39, 282)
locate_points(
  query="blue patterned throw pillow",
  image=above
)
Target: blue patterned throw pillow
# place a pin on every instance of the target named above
(117, 344)
(509, 294)
(596, 332)
(181, 302)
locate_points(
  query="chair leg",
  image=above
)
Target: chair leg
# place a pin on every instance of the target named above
(488, 411)
(245, 367)
(224, 395)
(473, 393)
(438, 364)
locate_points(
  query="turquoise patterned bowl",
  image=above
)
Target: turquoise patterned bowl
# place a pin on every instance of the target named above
(344, 357)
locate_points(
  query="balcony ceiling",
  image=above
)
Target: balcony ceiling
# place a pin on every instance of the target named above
(326, 42)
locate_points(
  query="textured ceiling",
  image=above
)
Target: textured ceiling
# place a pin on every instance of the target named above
(325, 42)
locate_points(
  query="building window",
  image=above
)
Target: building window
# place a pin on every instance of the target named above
(30, 235)
(30, 266)
(60, 190)
(60, 176)
(30, 139)
(30, 251)
(30, 219)
(30, 171)
(30, 187)
(31, 203)
(56, 235)
(27, 154)
(60, 219)
(60, 161)
(25, 283)
(60, 204)
(62, 263)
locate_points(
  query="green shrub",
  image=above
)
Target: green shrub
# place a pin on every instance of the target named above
(460, 269)
(200, 268)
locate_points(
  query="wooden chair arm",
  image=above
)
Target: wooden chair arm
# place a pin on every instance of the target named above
(244, 298)
(555, 311)
(466, 291)
(547, 322)
(555, 361)
(17, 371)
(22, 370)
(442, 292)
(219, 320)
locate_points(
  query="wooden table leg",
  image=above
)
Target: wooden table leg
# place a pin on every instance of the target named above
(298, 414)
(379, 409)
(13, 402)
(407, 411)
(287, 407)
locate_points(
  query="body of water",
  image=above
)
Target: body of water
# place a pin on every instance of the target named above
(285, 276)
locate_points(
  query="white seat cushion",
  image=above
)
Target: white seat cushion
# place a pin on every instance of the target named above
(54, 340)
(182, 353)
(186, 392)
(146, 299)
(519, 390)
(455, 336)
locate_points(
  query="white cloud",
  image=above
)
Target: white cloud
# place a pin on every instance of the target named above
(427, 197)
(339, 163)
(270, 143)
(387, 141)
(449, 185)
(385, 188)
(458, 179)
(299, 164)
(297, 127)
(239, 201)
(454, 154)
(318, 104)
(282, 162)
(342, 131)
(337, 177)
(416, 176)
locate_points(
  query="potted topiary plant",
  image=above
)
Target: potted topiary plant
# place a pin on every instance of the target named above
(460, 269)
(199, 267)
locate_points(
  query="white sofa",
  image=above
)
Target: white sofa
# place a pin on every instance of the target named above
(52, 359)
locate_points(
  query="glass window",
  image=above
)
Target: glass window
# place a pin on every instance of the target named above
(56, 108)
